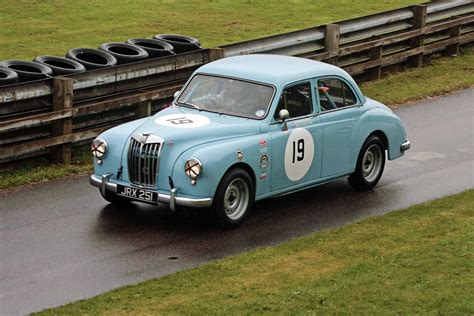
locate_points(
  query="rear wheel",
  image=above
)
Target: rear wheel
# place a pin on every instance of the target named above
(370, 164)
(234, 198)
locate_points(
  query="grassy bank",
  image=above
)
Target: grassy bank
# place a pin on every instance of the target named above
(32, 28)
(418, 260)
(438, 76)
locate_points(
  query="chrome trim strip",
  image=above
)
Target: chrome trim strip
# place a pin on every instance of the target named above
(97, 182)
(171, 199)
(405, 146)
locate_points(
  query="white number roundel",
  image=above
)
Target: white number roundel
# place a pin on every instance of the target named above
(299, 153)
(183, 120)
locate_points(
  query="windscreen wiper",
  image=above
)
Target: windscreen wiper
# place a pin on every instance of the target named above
(190, 104)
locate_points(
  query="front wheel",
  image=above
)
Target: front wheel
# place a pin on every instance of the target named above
(370, 164)
(234, 198)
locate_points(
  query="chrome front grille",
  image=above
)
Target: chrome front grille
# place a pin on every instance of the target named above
(143, 160)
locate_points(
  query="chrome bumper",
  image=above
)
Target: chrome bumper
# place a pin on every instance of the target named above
(405, 146)
(172, 199)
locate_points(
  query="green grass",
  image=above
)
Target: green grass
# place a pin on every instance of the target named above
(32, 28)
(418, 260)
(40, 170)
(439, 76)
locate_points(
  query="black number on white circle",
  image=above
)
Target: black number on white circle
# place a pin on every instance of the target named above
(180, 120)
(298, 150)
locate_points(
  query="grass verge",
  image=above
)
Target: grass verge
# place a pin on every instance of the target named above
(439, 76)
(418, 260)
(36, 27)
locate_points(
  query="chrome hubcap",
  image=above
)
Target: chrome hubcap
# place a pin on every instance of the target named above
(236, 199)
(372, 163)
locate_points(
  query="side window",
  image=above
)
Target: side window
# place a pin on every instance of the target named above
(296, 99)
(334, 94)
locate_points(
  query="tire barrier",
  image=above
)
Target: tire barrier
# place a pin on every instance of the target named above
(155, 48)
(28, 70)
(8, 76)
(60, 65)
(92, 58)
(180, 43)
(124, 52)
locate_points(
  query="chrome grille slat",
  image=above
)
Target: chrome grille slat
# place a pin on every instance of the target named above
(143, 162)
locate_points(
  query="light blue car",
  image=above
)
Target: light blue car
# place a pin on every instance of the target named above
(247, 128)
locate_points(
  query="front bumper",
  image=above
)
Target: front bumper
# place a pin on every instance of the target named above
(405, 146)
(104, 184)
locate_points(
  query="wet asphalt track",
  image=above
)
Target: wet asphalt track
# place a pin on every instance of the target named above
(61, 242)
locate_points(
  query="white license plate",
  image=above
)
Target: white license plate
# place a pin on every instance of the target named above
(137, 194)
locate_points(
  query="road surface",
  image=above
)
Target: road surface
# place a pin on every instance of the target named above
(61, 242)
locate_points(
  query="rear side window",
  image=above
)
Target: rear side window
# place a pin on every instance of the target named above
(334, 94)
(297, 100)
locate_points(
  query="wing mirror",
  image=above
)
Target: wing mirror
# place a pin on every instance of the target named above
(284, 115)
(175, 95)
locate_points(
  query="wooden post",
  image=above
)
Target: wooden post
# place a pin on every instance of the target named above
(143, 109)
(216, 53)
(375, 72)
(418, 22)
(453, 49)
(331, 41)
(62, 100)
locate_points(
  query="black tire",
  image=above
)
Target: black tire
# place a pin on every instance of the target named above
(92, 58)
(28, 70)
(180, 43)
(236, 186)
(155, 48)
(370, 164)
(125, 53)
(114, 198)
(60, 65)
(8, 76)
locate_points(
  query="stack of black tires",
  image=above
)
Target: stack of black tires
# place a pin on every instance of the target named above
(79, 60)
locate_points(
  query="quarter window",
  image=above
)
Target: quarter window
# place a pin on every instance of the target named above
(334, 94)
(295, 99)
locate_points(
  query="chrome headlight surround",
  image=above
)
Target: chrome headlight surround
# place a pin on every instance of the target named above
(99, 148)
(193, 168)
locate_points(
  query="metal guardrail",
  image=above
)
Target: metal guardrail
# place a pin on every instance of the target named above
(51, 115)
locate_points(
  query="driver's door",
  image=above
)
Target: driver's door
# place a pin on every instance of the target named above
(296, 152)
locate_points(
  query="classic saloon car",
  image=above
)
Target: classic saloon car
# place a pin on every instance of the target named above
(247, 128)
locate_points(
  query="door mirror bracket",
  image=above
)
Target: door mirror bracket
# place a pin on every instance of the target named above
(284, 115)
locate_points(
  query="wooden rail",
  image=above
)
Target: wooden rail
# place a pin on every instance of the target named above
(49, 116)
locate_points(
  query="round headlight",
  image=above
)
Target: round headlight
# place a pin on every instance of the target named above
(99, 148)
(193, 168)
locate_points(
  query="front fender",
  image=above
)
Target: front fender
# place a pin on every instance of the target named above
(217, 158)
(116, 139)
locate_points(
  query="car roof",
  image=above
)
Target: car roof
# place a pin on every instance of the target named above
(273, 69)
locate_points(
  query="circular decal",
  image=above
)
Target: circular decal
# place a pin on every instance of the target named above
(299, 153)
(260, 113)
(183, 120)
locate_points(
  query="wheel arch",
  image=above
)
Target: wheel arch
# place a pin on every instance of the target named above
(247, 168)
(382, 137)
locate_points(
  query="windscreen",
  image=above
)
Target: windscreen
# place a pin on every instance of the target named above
(227, 96)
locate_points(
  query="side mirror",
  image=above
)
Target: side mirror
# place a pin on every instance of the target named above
(175, 95)
(284, 115)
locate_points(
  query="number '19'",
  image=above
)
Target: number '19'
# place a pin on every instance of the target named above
(298, 150)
